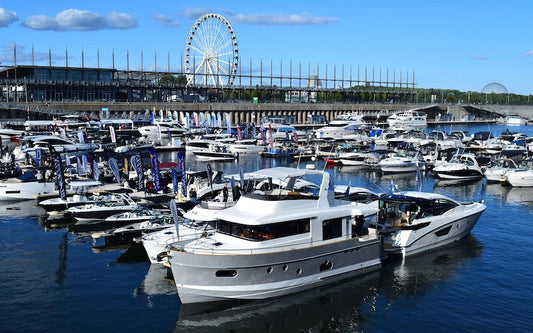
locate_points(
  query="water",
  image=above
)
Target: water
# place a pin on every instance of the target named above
(56, 280)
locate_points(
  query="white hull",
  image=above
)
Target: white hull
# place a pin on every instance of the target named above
(13, 190)
(520, 178)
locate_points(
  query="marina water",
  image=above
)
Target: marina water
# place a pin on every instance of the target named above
(59, 280)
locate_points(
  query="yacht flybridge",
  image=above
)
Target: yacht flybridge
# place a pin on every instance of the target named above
(284, 238)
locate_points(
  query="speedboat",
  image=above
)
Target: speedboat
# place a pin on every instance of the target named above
(461, 166)
(399, 162)
(522, 176)
(498, 169)
(194, 224)
(278, 242)
(102, 210)
(413, 222)
(136, 215)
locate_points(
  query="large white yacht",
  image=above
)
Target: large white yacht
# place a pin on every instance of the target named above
(278, 241)
(407, 120)
(341, 127)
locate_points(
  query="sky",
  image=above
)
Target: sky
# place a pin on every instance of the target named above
(450, 44)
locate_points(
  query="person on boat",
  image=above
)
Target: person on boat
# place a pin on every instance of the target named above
(225, 193)
(192, 194)
(39, 176)
(18, 170)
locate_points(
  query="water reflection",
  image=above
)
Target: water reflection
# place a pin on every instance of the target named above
(348, 305)
(21, 209)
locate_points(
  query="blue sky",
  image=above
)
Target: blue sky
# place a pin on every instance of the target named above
(449, 44)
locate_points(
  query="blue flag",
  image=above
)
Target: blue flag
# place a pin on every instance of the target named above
(155, 169)
(114, 167)
(181, 166)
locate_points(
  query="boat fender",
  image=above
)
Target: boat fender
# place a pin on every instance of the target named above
(161, 255)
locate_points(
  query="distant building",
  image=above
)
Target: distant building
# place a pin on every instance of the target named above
(304, 96)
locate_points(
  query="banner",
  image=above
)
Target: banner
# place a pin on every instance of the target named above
(155, 169)
(210, 176)
(174, 211)
(80, 137)
(112, 134)
(60, 178)
(38, 156)
(113, 165)
(174, 180)
(84, 164)
(96, 172)
(79, 166)
(181, 165)
(136, 163)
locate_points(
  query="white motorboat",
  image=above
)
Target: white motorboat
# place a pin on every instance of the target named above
(24, 187)
(246, 146)
(496, 172)
(414, 222)
(461, 166)
(136, 215)
(354, 158)
(340, 127)
(399, 162)
(407, 120)
(521, 177)
(278, 242)
(101, 210)
(195, 223)
(215, 152)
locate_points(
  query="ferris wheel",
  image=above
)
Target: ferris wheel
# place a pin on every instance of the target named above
(211, 52)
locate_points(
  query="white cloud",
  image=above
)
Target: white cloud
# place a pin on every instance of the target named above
(263, 18)
(480, 57)
(193, 13)
(80, 20)
(7, 17)
(529, 53)
(166, 21)
(281, 19)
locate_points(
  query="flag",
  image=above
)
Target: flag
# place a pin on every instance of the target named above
(174, 180)
(96, 173)
(155, 169)
(263, 136)
(238, 132)
(80, 137)
(158, 132)
(253, 130)
(38, 156)
(181, 165)
(78, 166)
(136, 163)
(112, 134)
(295, 137)
(347, 193)
(241, 176)
(391, 187)
(210, 176)
(174, 211)
(419, 180)
(228, 124)
(113, 165)
(152, 117)
(60, 178)
(84, 164)
(270, 139)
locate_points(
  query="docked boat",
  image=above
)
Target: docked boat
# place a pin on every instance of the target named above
(399, 162)
(407, 120)
(136, 215)
(24, 187)
(195, 223)
(499, 167)
(414, 222)
(462, 166)
(215, 152)
(102, 210)
(340, 127)
(521, 177)
(245, 146)
(278, 242)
